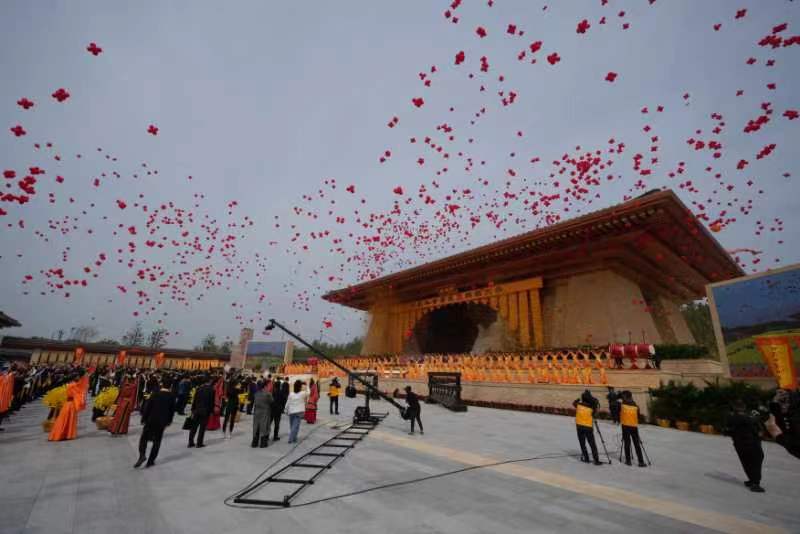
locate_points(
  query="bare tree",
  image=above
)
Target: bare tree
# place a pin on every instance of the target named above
(208, 344)
(83, 334)
(157, 338)
(226, 347)
(134, 337)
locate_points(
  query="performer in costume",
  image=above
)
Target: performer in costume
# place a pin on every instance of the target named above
(126, 402)
(66, 424)
(311, 403)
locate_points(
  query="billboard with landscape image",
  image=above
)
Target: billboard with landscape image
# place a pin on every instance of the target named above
(757, 322)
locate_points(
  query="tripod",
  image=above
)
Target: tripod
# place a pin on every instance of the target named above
(602, 441)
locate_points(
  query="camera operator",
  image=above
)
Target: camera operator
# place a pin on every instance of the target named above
(585, 408)
(613, 404)
(745, 429)
(784, 420)
(630, 428)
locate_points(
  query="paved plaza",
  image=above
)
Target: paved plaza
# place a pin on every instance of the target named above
(89, 486)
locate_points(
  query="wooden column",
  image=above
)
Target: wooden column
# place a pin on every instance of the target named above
(513, 312)
(524, 320)
(536, 316)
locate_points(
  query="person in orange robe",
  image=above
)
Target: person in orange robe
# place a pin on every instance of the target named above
(125, 403)
(6, 393)
(66, 424)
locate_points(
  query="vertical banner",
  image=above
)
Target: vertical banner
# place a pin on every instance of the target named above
(79, 354)
(777, 353)
(121, 357)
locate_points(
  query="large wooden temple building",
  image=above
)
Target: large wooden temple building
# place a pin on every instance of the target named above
(617, 275)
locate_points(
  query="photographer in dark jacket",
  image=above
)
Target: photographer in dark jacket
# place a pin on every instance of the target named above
(157, 414)
(613, 404)
(745, 429)
(280, 395)
(784, 421)
(414, 410)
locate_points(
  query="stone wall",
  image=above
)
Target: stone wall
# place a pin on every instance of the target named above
(595, 308)
(562, 395)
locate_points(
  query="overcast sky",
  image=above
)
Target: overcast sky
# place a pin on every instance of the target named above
(260, 102)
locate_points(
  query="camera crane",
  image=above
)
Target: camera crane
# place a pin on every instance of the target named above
(362, 413)
(322, 457)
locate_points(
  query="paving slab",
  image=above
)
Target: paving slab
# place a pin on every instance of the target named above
(89, 484)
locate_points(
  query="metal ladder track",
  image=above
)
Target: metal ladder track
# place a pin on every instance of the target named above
(313, 459)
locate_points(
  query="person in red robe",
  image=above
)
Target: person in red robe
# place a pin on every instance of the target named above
(126, 401)
(214, 422)
(311, 403)
(66, 424)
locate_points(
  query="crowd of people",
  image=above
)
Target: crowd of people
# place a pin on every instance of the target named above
(216, 399)
(210, 400)
(552, 367)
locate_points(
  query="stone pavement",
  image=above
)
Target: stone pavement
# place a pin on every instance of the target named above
(89, 486)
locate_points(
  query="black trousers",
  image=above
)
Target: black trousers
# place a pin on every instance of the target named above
(615, 411)
(276, 421)
(154, 434)
(230, 417)
(335, 405)
(180, 405)
(791, 446)
(415, 417)
(751, 456)
(249, 407)
(631, 433)
(586, 433)
(198, 429)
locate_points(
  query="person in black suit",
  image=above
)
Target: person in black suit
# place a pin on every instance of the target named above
(157, 414)
(280, 395)
(202, 407)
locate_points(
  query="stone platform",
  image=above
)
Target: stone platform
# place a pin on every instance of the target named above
(695, 484)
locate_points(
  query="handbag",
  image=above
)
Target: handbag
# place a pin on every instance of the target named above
(188, 423)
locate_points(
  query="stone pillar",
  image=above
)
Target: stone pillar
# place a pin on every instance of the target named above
(673, 316)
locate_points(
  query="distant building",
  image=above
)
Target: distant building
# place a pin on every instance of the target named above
(51, 351)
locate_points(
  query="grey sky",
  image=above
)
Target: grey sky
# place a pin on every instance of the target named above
(262, 101)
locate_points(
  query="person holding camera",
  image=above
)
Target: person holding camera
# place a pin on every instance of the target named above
(585, 408)
(629, 417)
(745, 430)
(413, 410)
(613, 404)
(784, 420)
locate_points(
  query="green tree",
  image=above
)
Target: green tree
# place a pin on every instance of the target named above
(351, 348)
(698, 318)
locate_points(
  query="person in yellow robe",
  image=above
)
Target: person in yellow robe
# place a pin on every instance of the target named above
(66, 424)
